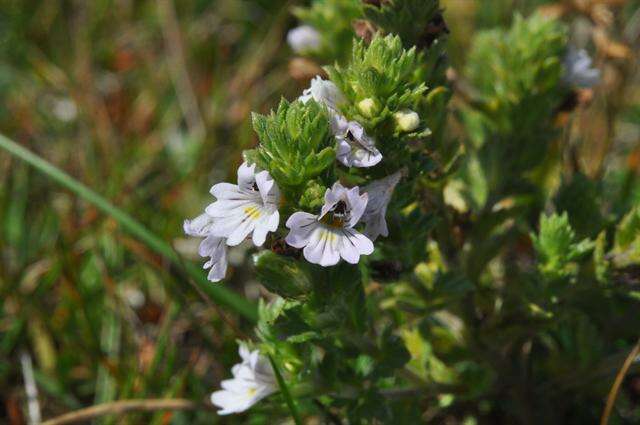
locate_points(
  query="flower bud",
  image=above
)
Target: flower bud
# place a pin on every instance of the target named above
(313, 195)
(368, 107)
(407, 120)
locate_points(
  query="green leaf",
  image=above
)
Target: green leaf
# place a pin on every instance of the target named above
(557, 248)
(627, 239)
(282, 275)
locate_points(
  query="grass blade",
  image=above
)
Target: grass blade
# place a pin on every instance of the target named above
(218, 293)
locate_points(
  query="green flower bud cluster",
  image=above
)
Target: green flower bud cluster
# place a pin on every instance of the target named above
(313, 196)
(417, 22)
(380, 80)
(557, 247)
(517, 72)
(295, 142)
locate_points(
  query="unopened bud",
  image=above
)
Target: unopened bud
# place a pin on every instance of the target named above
(407, 120)
(367, 107)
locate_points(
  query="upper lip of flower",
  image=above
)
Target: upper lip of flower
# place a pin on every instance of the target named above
(337, 216)
(352, 205)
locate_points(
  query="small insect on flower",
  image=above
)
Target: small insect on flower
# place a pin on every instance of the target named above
(250, 207)
(213, 247)
(578, 70)
(253, 379)
(331, 235)
(380, 192)
(355, 148)
(304, 39)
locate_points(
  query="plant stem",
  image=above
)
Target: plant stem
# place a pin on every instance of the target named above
(286, 393)
(124, 406)
(613, 393)
(218, 293)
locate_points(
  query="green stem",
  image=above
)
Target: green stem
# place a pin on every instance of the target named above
(286, 393)
(218, 293)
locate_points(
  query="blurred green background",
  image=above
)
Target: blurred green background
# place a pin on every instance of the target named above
(148, 103)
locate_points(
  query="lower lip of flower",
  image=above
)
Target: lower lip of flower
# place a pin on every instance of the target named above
(252, 212)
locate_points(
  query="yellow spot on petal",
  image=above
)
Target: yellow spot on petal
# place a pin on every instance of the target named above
(252, 212)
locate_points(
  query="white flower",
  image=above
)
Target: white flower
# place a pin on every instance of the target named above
(578, 70)
(324, 92)
(303, 39)
(380, 192)
(250, 207)
(407, 120)
(212, 246)
(253, 379)
(330, 236)
(355, 148)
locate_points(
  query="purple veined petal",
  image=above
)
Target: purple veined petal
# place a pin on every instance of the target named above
(343, 151)
(223, 227)
(263, 226)
(364, 158)
(264, 182)
(300, 219)
(302, 225)
(273, 221)
(269, 191)
(198, 226)
(244, 228)
(211, 246)
(354, 244)
(323, 247)
(229, 208)
(221, 190)
(358, 204)
(219, 269)
(246, 176)
(217, 263)
(339, 123)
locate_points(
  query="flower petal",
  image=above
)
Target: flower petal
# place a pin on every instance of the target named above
(265, 225)
(354, 244)
(302, 225)
(199, 226)
(323, 247)
(246, 176)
